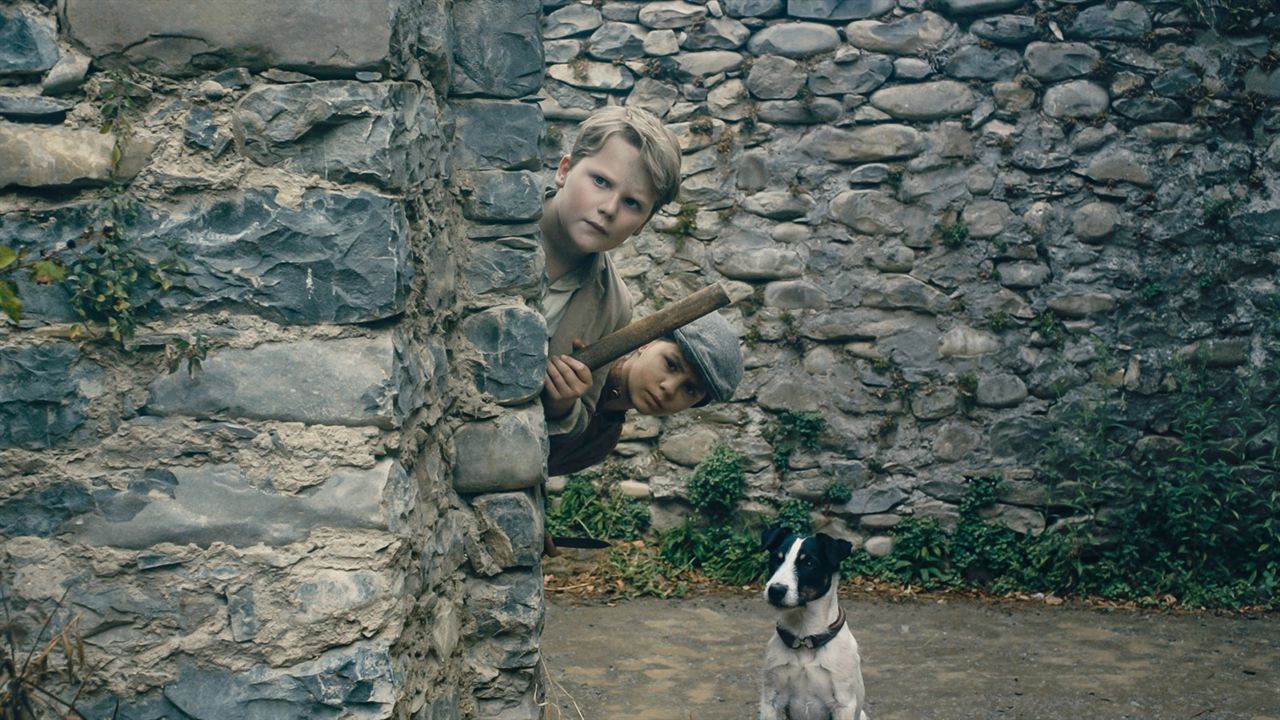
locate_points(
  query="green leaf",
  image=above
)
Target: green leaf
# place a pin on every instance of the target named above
(10, 303)
(45, 272)
(8, 256)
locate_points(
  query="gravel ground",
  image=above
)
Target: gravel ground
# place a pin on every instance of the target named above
(922, 659)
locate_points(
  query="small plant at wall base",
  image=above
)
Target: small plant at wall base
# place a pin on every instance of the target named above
(790, 431)
(1196, 527)
(596, 508)
(27, 679)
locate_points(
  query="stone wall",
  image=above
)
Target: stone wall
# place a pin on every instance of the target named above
(334, 516)
(942, 221)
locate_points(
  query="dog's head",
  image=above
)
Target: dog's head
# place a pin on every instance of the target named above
(801, 568)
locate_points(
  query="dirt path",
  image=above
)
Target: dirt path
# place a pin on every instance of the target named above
(922, 660)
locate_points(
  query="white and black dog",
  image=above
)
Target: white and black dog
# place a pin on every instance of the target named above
(811, 667)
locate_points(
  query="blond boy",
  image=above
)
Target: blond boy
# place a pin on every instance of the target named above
(623, 166)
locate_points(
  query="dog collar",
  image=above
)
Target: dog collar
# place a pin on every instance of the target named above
(813, 642)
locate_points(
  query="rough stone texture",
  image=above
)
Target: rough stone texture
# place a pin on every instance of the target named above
(1060, 61)
(909, 35)
(339, 382)
(173, 39)
(1078, 98)
(512, 346)
(838, 9)
(512, 264)
(344, 131)
(516, 526)
(27, 45)
(869, 144)
(337, 199)
(216, 503)
(497, 50)
(331, 258)
(498, 196)
(41, 402)
(35, 157)
(926, 101)
(794, 40)
(24, 108)
(501, 455)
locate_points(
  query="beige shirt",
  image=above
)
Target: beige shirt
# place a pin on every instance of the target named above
(556, 301)
(598, 305)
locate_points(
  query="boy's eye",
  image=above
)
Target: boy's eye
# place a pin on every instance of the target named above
(671, 365)
(600, 181)
(632, 203)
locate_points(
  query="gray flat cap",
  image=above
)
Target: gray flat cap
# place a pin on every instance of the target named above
(710, 344)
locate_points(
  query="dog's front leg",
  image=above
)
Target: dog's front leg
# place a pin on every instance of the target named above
(770, 703)
(849, 712)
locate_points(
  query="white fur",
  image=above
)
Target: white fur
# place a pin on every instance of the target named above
(803, 684)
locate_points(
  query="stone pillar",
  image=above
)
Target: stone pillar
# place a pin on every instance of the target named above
(334, 515)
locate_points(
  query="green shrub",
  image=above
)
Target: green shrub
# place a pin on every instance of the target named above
(792, 430)
(794, 515)
(836, 493)
(603, 513)
(718, 483)
(1198, 524)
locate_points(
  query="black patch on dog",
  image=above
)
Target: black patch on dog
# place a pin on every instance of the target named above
(816, 564)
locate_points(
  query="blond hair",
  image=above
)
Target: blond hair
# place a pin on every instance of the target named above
(659, 149)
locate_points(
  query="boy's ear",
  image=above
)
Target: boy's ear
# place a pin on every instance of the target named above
(772, 536)
(834, 551)
(562, 170)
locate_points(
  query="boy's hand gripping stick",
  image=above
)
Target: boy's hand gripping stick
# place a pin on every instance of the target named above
(673, 316)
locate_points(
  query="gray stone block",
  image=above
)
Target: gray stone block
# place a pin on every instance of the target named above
(497, 48)
(217, 504)
(387, 134)
(34, 157)
(201, 131)
(838, 9)
(512, 342)
(513, 265)
(1124, 20)
(497, 196)
(498, 135)
(41, 513)
(361, 679)
(353, 381)
(504, 619)
(519, 521)
(27, 108)
(1015, 30)
(1051, 62)
(334, 258)
(27, 45)
(857, 78)
(40, 398)
(508, 453)
(324, 37)
(974, 62)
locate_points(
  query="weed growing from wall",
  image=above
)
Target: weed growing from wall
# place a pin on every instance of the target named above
(105, 274)
(790, 431)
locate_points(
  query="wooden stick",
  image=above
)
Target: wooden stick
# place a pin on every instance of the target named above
(676, 315)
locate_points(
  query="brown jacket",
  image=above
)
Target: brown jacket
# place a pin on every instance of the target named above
(596, 309)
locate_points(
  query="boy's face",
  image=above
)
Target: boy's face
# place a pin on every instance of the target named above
(661, 382)
(602, 200)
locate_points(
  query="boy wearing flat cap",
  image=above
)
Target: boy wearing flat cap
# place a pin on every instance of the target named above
(697, 364)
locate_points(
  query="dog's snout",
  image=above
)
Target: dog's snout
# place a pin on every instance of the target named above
(777, 593)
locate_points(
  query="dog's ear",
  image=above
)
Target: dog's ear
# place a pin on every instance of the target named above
(834, 551)
(772, 536)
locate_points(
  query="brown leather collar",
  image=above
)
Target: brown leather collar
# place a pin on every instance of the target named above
(813, 642)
